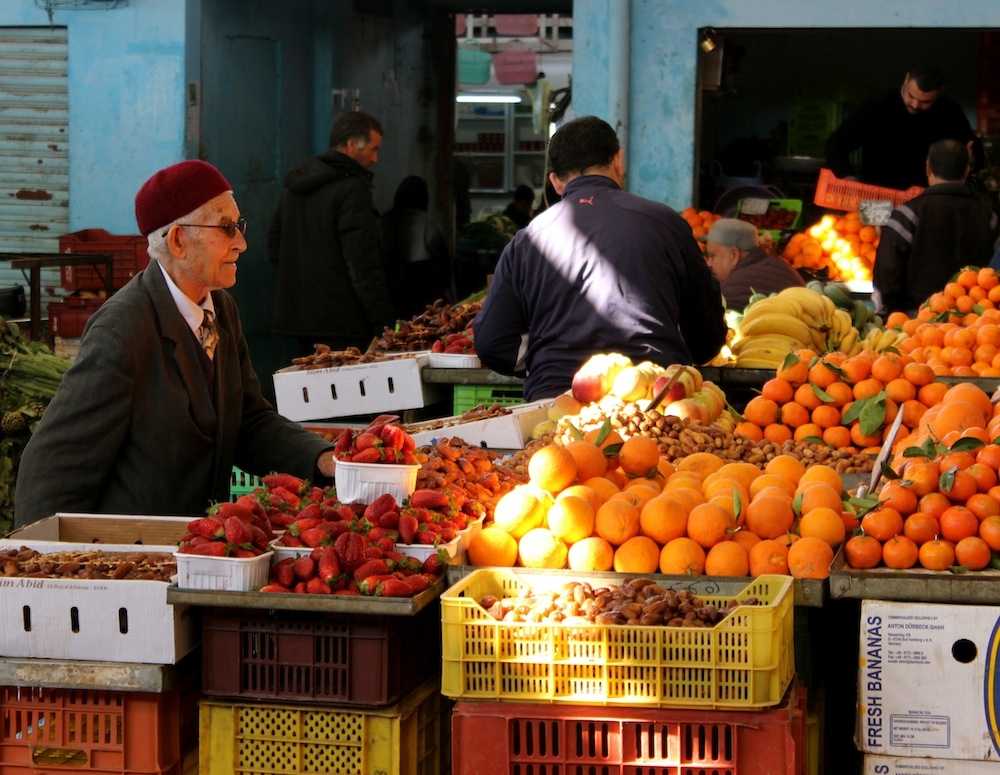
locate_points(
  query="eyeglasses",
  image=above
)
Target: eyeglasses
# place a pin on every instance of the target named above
(230, 228)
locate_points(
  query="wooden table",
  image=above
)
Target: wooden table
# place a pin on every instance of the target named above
(36, 262)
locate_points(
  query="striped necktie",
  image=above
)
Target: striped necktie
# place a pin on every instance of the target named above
(208, 334)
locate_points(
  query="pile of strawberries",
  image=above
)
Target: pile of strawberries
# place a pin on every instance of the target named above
(383, 441)
(461, 343)
(240, 529)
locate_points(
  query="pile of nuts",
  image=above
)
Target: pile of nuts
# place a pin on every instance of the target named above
(435, 322)
(118, 566)
(325, 358)
(636, 602)
(678, 438)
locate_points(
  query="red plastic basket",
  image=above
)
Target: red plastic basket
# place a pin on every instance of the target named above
(69, 317)
(514, 67)
(499, 738)
(82, 730)
(516, 23)
(837, 194)
(346, 660)
(128, 251)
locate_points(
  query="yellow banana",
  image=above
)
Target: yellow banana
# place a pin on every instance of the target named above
(758, 363)
(812, 304)
(778, 323)
(770, 305)
(849, 340)
(777, 341)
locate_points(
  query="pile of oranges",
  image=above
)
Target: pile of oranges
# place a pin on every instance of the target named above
(634, 512)
(845, 246)
(808, 400)
(700, 221)
(944, 510)
(957, 331)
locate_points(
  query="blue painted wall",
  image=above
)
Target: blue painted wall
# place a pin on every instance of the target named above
(126, 87)
(663, 65)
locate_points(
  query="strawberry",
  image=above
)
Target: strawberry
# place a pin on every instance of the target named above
(380, 506)
(370, 568)
(317, 586)
(207, 528)
(300, 525)
(223, 511)
(315, 536)
(258, 537)
(315, 494)
(236, 531)
(348, 591)
(299, 588)
(434, 564)
(429, 499)
(275, 588)
(417, 583)
(285, 481)
(376, 534)
(386, 544)
(290, 540)
(312, 511)
(350, 548)
(392, 436)
(283, 572)
(304, 568)
(393, 587)
(389, 520)
(245, 553)
(370, 455)
(367, 441)
(286, 496)
(329, 566)
(408, 528)
(211, 549)
(427, 537)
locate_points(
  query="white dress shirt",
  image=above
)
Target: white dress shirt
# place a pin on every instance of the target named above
(192, 313)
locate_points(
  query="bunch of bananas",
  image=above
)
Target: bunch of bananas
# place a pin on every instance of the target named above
(863, 317)
(879, 340)
(793, 319)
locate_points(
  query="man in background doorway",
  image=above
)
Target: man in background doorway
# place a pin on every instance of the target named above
(895, 131)
(519, 211)
(741, 266)
(330, 284)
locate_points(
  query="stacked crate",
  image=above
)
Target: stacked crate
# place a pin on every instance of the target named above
(547, 698)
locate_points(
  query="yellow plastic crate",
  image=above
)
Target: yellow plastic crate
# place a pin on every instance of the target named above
(745, 661)
(404, 739)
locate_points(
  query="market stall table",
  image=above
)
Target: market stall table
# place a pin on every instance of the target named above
(914, 585)
(467, 377)
(35, 262)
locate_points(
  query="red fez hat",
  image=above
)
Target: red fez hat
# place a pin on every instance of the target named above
(175, 191)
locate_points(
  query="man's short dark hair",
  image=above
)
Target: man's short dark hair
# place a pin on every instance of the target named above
(928, 76)
(582, 143)
(353, 125)
(948, 159)
(524, 193)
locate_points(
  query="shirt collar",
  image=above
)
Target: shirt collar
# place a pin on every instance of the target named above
(193, 314)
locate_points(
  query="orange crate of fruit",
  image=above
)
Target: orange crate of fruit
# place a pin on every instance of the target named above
(746, 660)
(838, 194)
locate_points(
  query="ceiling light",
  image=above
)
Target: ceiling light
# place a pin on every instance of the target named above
(507, 98)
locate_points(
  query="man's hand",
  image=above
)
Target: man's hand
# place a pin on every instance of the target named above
(326, 463)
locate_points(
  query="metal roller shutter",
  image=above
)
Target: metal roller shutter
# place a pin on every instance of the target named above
(34, 145)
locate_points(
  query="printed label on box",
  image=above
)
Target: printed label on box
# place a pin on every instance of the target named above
(898, 765)
(927, 681)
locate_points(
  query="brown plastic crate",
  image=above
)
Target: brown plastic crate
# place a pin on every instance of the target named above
(69, 317)
(343, 659)
(88, 731)
(128, 252)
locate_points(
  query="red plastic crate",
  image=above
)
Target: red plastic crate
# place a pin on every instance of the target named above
(330, 659)
(515, 67)
(69, 317)
(516, 23)
(46, 731)
(499, 738)
(128, 252)
(837, 194)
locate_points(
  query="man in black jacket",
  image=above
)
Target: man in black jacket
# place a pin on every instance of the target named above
(601, 271)
(895, 131)
(330, 284)
(931, 237)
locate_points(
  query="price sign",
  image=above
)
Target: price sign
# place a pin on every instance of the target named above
(875, 212)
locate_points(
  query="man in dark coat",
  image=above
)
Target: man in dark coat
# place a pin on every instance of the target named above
(895, 131)
(601, 271)
(740, 266)
(931, 237)
(330, 284)
(163, 398)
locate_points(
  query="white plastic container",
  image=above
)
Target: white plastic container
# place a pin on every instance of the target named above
(454, 549)
(454, 361)
(223, 574)
(475, 526)
(364, 482)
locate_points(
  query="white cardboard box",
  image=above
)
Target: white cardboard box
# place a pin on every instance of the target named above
(927, 683)
(105, 529)
(367, 388)
(104, 621)
(509, 431)
(898, 765)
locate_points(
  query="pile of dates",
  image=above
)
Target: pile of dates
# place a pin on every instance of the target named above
(636, 602)
(117, 566)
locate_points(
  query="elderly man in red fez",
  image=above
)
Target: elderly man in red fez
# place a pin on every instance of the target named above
(163, 400)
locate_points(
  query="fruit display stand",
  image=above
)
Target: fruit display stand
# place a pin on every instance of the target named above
(914, 585)
(508, 431)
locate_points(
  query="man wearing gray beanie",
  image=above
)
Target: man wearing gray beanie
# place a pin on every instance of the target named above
(741, 266)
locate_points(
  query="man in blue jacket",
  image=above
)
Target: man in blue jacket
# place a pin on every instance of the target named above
(601, 271)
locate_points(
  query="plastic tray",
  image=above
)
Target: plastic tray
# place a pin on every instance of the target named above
(493, 738)
(468, 397)
(402, 740)
(453, 361)
(745, 661)
(454, 548)
(839, 194)
(343, 659)
(84, 730)
(364, 482)
(222, 574)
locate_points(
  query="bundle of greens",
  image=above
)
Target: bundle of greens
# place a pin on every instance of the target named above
(29, 377)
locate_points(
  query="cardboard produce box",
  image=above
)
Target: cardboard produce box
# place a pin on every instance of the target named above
(95, 619)
(508, 431)
(105, 529)
(927, 683)
(899, 765)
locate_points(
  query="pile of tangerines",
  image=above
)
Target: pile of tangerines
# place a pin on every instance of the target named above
(597, 507)
(812, 398)
(957, 330)
(943, 510)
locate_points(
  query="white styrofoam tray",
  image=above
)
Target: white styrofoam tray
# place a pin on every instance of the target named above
(455, 549)
(95, 619)
(228, 574)
(508, 431)
(364, 482)
(454, 361)
(339, 391)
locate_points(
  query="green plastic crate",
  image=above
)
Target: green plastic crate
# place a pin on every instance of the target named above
(242, 483)
(470, 396)
(795, 205)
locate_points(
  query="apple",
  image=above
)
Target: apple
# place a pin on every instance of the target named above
(588, 386)
(687, 409)
(563, 405)
(677, 390)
